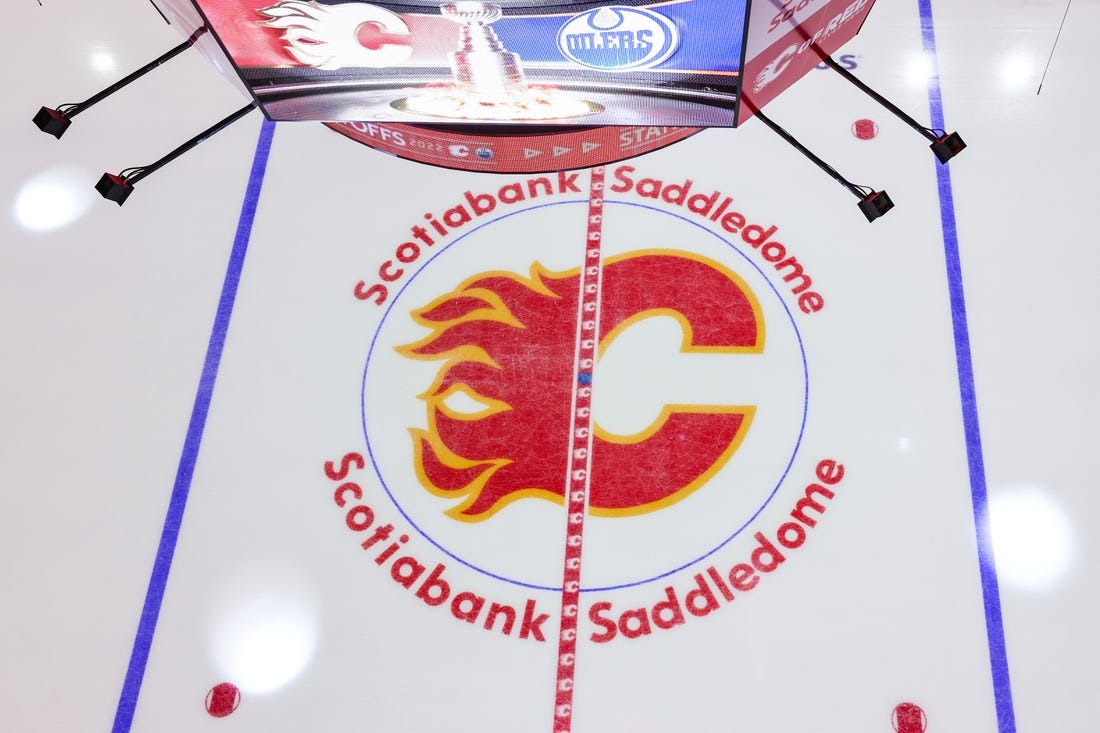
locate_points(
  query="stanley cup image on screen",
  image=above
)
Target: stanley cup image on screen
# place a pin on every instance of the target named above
(488, 78)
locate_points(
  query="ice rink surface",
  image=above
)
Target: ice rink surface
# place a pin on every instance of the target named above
(865, 510)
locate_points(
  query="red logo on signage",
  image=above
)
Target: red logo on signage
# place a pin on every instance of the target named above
(508, 346)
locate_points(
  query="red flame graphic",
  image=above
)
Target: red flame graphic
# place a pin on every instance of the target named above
(509, 343)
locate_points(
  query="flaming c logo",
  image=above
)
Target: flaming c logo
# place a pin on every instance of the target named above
(499, 410)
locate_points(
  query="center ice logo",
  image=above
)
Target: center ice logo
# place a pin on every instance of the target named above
(618, 38)
(498, 412)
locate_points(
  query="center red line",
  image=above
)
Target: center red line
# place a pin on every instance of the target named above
(580, 455)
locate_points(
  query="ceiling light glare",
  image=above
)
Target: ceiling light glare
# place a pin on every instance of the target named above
(1018, 72)
(53, 199)
(1033, 543)
(920, 69)
(103, 61)
(264, 634)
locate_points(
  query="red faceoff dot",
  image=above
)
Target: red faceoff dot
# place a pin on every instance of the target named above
(222, 699)
(865, 129)
(909, 718)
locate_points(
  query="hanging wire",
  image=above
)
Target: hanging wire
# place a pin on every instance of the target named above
(1056, 39)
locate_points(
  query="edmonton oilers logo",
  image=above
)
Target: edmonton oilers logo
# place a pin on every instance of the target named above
(618, 38)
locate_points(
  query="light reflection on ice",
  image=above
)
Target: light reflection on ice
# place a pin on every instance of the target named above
(1033, 541)
(264, 631)
(53, 199)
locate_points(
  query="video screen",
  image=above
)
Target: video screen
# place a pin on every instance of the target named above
(504, 62)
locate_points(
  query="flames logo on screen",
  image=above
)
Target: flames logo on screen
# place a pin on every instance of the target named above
(499, 409)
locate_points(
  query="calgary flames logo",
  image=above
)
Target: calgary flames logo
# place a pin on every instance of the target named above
(499, 410)
(339, 36)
